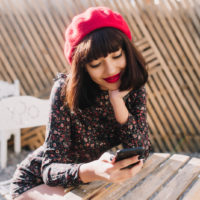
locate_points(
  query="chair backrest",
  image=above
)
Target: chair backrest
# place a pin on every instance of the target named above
(23, 112)
(9, 89)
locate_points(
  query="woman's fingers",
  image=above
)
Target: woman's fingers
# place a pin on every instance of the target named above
(125, 162)
(123, 175)
(116, 93)
(107, 157)
(137, 168)
(124, 93)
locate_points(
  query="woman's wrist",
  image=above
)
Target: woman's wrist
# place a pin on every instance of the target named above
(120, 110)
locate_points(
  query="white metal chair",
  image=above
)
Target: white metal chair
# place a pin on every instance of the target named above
(9, 89)
(16, 113)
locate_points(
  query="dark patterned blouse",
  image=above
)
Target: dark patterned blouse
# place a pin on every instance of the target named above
(73, 138)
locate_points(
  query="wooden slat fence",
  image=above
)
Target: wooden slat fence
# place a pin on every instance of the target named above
(167, 32)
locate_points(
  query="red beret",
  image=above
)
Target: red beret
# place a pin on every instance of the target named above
(93, 18)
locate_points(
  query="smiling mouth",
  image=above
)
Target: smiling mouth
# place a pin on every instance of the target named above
(112, 79)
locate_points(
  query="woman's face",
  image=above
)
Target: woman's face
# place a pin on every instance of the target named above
(106, 71)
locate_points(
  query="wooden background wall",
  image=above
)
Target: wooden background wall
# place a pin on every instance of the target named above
(167, 34)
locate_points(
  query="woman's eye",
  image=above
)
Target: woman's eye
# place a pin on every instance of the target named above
(94, 66)
(115, 57)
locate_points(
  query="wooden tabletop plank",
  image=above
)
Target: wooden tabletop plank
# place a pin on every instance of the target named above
(194, 192)
(159, 176)
(181, 181)
(84, 191)
(115, 191)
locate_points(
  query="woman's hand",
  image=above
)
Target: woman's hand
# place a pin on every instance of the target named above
(107, 170)
(115, 95)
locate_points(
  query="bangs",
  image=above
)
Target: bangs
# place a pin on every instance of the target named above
(99, 43)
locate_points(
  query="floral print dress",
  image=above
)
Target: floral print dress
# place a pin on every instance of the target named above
(73, 138)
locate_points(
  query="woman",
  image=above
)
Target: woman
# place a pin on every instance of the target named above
(100, 104)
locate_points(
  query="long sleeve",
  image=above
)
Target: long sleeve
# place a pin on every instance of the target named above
(134, 133)
(57, 165)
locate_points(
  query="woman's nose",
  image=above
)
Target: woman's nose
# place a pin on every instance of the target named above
(109, 68)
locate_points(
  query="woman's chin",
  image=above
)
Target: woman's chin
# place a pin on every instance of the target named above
(111, 86)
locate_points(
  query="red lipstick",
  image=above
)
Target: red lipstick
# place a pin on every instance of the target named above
(112, 79)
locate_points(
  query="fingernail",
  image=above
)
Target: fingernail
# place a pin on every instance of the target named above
(141, 157)
(111, 158)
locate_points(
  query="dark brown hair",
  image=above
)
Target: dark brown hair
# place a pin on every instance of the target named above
(80, 90)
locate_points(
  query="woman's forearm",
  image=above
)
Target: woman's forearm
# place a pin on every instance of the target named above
(120, 110)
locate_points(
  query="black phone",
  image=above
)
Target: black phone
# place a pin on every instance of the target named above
(130, 152)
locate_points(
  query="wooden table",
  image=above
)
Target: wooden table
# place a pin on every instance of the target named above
(164, 177)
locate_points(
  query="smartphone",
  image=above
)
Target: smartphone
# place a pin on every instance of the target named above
(130, 152)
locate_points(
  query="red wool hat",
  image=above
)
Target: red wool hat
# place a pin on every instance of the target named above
(93, 18)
